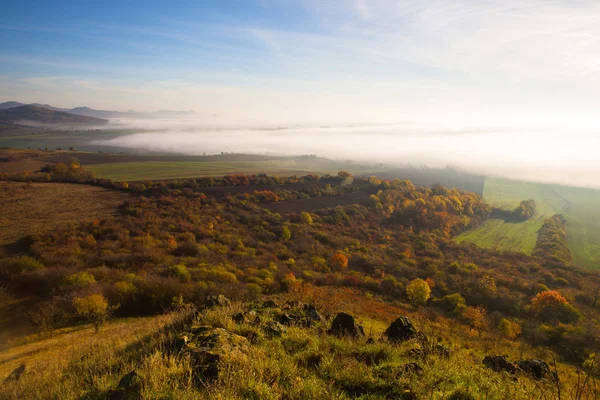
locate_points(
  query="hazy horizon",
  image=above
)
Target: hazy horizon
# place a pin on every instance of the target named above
(501, 87)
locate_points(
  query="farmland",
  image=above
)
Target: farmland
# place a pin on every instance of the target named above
(159, 170)
(29, 209)
(578, 205)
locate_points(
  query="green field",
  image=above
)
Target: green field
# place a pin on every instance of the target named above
(580, 206)
(157, 170)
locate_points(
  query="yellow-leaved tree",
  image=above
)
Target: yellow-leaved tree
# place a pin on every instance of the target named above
(418, 292)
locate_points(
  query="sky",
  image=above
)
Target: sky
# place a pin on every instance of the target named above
(466, 63)
(508, 87)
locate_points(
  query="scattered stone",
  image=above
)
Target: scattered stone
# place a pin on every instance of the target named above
(312, 314)
(285, 319)
(400, 330)
(239, 318)
(441, 350)
(216, 301)
(274, 328)
(416, 352)
(16, 374)
(180, 342)
(412, 368)
(499, 364)
(292, 304)
(270, 304)
(537, 368)
(344, 325)
(370, 341)
(207, 346)
(205, 364)
(129, 388)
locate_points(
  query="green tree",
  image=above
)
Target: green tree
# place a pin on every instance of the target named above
(418, 291)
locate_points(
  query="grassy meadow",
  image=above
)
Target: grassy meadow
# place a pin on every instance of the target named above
(580, 207)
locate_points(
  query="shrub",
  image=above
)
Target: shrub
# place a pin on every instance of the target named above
(180, 271)
(80, 280)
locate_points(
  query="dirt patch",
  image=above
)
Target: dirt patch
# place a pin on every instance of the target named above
(38, 207)
(297, 206)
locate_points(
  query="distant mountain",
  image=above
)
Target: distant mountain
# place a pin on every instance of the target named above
(10, 104)
(30, 114)
(90, 112)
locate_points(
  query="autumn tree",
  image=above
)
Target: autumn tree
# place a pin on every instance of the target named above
(286, 233)
(418, 292)
(93, 308)
(509, 329)
(476, 317)
(338, 261)
(551, 305)
(306, 218)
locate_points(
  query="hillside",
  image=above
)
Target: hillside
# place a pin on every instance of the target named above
(282, 349)
(578, 205)
(28, 114)
(388, 253)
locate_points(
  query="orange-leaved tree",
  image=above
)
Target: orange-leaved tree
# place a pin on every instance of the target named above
(339, 261)
(551, 305)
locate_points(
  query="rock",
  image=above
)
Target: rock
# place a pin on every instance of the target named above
(441, 350)
(344, 325)
(311, 313)
(208, 347)
(285, 319)
(205, 364)
(538, 369)
(216, 301)
(129, 388)
(180, 342)
(292, 304)
(400, 330)
(275, 329)
(239, 318)
(412, 368)
(499, 364)
(370, 341)
(16, 374)
(270, 304)
(415, 353)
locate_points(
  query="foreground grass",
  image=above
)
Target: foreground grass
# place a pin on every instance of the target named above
(578, 205)
(304, 363)
(77, 362)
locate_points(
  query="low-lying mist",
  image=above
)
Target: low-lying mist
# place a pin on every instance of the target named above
(543, 155)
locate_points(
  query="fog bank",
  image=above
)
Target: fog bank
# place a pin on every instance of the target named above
(545, 155)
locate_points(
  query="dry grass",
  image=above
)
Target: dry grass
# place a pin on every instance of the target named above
(77, 361)
(37, 207)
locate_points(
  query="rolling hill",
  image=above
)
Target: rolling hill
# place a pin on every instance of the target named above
(28, 114)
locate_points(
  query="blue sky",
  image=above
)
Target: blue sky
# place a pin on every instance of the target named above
(359, 60)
